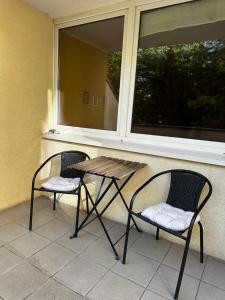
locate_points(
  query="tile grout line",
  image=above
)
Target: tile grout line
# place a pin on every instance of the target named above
(160, 264)
(78, 254)
(206, 259)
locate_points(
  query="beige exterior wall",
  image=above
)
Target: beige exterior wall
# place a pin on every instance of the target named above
(26, 47)
(213, 215)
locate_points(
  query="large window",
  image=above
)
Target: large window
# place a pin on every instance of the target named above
(180, 73)
(144, 77)
(89, 74)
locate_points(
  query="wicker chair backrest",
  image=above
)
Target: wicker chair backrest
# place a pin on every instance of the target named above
(185, 189)
(68, 158)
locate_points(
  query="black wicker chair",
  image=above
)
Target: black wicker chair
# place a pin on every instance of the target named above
(184, 193)
(67, 158)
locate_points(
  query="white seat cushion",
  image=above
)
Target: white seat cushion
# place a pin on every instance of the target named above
(61, 184)
(170, 217)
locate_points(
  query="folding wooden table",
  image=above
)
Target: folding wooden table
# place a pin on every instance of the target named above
(113, 169)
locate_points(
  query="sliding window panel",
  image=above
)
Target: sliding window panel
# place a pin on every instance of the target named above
(89, 74)
(180, 74)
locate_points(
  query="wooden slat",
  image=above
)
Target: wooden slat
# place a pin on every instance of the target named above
(125, 172)
(115, 164)
(118, 168)
(86, 165)
(132, 167)
(95, 168)
(109, 167)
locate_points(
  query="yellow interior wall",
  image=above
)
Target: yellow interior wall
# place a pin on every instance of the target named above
(26, 44)
(82, 68)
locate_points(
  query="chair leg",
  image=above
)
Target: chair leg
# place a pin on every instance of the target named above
(31, 209)
(181, 273)
(54, 201)
(201, 242)
(126, 239)
(78, 211)
(87, 203)
(157, 234)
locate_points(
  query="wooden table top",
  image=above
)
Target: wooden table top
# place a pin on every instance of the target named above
(108, 167)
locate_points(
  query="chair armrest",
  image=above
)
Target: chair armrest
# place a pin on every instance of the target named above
(144, 185)
(199, 209)
(41, 166)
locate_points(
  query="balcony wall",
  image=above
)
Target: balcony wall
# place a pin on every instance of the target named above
(26, 43)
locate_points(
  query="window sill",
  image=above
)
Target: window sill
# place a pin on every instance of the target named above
(207, 155)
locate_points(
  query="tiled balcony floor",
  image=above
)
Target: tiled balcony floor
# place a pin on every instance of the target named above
(46, 264)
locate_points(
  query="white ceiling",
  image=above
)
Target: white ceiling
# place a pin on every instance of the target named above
(106, 35)
(61, 8)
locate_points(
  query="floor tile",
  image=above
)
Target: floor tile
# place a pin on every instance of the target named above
(133, 236)
(149, 247)
(95, 227)
(68, 215)
(118, 230)
(81, 265)
(66, 219)
(39, 219)
(214, 272)
(101, 253)
(61, 209)
(193, 266)
(81, 275)
(53, 290)
(209, 292)
(54, 229)
(23, 209)
(137, 268)
(165, 280)
(149, 295)
(64, 209)
(16, 211)
(10, 232)
(4, 220)
(48, 211)
(28, 244)
(78, 244)
(7, 260)
(20, 281)
(52, 258)
(116, 288)
(41, 202)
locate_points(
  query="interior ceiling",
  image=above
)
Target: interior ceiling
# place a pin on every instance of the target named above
(62, 8)
(106, 35)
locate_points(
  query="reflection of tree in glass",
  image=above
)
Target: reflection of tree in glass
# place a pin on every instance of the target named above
(181, 85)
(113, 71)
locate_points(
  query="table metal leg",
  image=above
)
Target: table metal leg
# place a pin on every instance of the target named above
(78, 211)
(119, 191)
(98, 216)
(116, 194)
(84, 222)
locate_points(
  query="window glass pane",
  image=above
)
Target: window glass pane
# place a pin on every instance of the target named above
(89, 74)
(180, 76)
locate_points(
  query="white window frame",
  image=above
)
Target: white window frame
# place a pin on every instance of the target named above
(80, 130)
(161, 142)
(187, 149)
